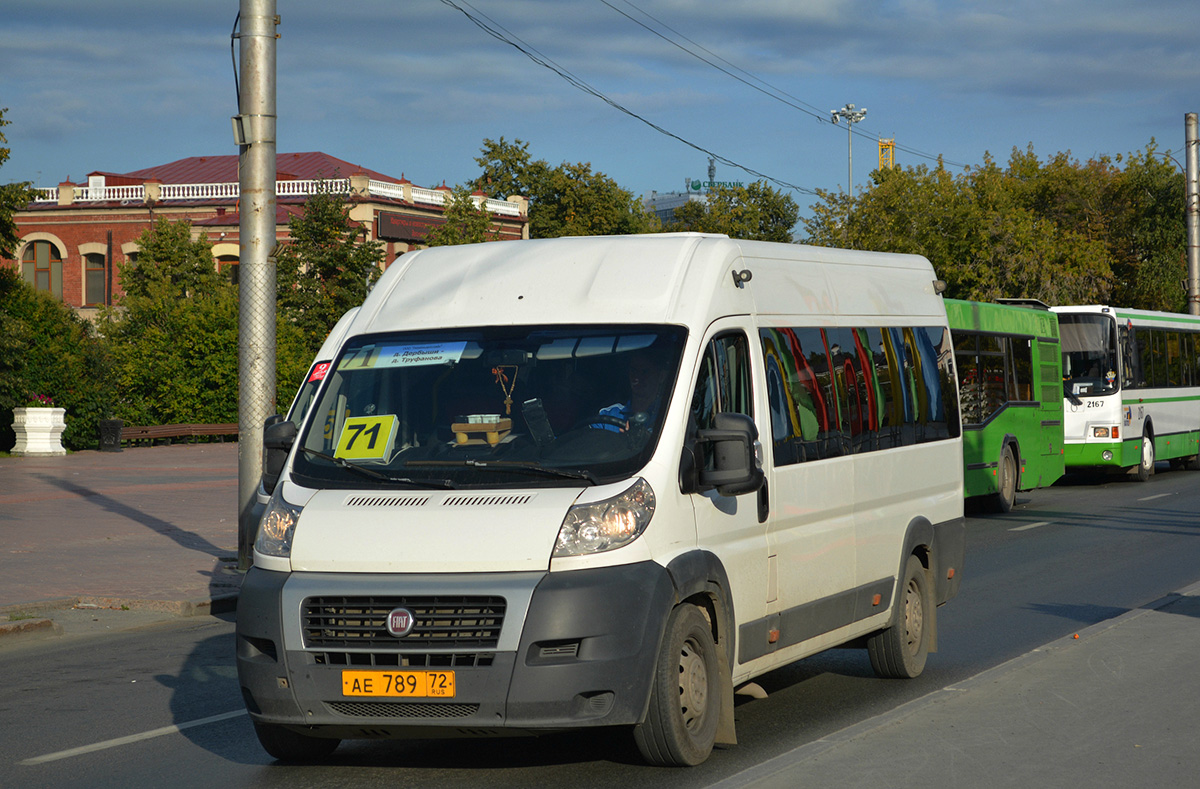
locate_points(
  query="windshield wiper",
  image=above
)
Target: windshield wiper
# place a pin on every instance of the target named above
(371, 473)
(514, 465)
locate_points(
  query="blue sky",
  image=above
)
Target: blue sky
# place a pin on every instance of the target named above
(414, 87)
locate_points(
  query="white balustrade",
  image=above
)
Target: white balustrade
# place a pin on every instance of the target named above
(297, 188)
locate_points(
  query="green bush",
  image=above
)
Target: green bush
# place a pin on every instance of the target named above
(46, 349)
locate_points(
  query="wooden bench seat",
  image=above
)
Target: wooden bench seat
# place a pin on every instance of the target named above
(136, 434)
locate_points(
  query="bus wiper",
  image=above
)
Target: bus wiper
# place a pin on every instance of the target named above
(514, 465)
(371, 473)
(1071, 395)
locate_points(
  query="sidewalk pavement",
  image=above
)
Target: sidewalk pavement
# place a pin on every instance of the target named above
(150, 530)
(91, 539)
(1111, 706)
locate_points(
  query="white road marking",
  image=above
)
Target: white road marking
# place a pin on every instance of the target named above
(146, 735)
(1159, 496)
(1029, 526)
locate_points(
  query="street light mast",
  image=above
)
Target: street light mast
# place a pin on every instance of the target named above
(851, 116)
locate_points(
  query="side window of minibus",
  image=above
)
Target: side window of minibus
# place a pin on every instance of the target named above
(724, 382)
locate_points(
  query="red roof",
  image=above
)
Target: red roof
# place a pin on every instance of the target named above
(224, 170)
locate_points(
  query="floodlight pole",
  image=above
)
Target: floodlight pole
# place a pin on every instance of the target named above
(1192, 213)
(254, 133)
(851, 116)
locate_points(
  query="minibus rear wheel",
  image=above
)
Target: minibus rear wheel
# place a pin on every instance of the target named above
(289, 746)
(685, 703)
(899, 652)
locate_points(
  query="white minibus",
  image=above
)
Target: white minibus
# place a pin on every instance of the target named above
(606, 481)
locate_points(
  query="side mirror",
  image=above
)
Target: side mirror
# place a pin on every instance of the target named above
(736, 470)
(278, 437)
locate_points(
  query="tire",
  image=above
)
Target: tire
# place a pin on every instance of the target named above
(685, 699)
(900, 651)
(289, 746)
(1145, 469)
(1006, 481)
(1192, 463)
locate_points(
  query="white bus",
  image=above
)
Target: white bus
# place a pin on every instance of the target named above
(1131, 383)
(589, 482)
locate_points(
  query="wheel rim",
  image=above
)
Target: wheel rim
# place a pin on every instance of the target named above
(1147, 452)
(1008, 482)
(914, 617)
(693, 686)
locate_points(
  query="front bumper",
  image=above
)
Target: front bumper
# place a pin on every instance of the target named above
(1090, 454)
(572, 649)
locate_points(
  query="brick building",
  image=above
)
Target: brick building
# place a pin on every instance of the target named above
(73, 237)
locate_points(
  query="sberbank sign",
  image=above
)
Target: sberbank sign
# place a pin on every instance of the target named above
(697, 185)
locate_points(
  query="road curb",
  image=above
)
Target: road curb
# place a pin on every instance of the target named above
(37, 618)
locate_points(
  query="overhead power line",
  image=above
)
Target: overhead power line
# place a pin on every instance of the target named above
(497, 31)
(768, 89)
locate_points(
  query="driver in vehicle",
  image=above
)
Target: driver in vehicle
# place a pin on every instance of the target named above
(646, 373)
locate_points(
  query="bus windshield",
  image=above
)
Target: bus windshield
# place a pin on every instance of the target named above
(515, 406)
(1089, 354)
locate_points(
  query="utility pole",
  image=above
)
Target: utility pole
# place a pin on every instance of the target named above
(1192, 212)
(851, 116)
(254, 133)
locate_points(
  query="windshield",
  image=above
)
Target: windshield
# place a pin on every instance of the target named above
(1089, 354)
(491, 407)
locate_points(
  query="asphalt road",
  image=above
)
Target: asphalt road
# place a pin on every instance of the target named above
(160, 705)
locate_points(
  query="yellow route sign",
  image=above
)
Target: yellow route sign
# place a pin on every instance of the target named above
(367, 437)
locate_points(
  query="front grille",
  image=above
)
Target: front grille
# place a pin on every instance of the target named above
(401, 709)
(441, 622)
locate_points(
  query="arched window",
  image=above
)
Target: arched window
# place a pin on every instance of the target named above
(41, 266)
(228, 265)
(93, 279)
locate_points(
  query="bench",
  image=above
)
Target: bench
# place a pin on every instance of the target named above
(150, 434)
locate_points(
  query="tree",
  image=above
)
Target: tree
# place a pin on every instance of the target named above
(326, 268)
(568, 200)
(465, 223)
(1147, 236)
(756, 212)
(13, 197)
(170, 266)
(1059, 230)
(173, 336)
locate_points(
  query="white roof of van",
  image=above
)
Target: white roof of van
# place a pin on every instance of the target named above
(679, 278)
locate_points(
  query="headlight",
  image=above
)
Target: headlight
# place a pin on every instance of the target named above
(277, 526)
(606, 525)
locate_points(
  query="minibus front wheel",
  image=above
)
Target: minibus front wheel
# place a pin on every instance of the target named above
(685, 703)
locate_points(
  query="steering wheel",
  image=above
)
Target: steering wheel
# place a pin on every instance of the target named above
(606, 419)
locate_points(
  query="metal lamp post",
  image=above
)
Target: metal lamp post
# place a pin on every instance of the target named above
(851, 116)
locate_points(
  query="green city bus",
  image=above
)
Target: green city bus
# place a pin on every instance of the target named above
(1009, 364)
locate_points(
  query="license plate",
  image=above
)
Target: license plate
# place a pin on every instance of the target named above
(407, 684)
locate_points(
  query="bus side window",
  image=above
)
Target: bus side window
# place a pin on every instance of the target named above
(724, 382)
(1129, 357)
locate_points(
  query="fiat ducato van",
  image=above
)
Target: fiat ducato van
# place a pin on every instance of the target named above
(609, 481)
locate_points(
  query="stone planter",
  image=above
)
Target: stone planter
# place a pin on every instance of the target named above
(39, 431)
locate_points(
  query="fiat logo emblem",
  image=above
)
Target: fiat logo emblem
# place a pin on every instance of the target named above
(400, 622)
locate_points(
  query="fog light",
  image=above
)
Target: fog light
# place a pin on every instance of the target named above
(1106, 455)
